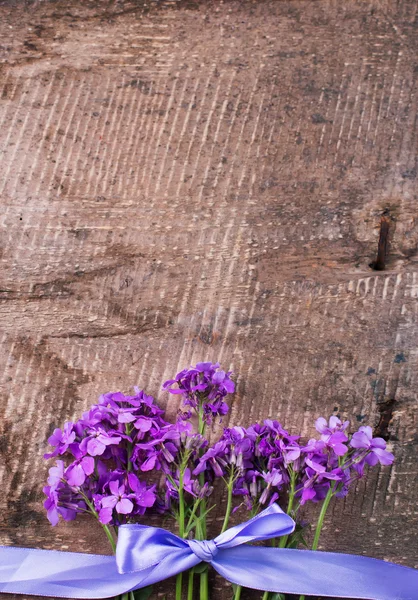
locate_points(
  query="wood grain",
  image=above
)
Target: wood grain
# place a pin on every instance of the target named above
(193, 180)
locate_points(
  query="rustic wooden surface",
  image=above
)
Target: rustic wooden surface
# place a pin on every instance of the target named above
(194, 180)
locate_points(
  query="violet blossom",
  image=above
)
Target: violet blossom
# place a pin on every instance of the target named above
(203, 388)
(118, 500)
(376, 447)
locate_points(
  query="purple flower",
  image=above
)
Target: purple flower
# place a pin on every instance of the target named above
(53, 508)
(274, 479)
(118, 433)
(144, 497)
(314, 447)
(336, 442)
(240, 447)
(56, 474)
(78, 471)
(332, 433)
(203, 386)
(214, 458)
(222, 380)
(317, 482)
(98, 439)
(334, 424)
(61, 440)
(61, 500)
(117, 500)
(376, 447)
(159, 451)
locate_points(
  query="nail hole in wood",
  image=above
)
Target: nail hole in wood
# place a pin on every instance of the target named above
(383, 246)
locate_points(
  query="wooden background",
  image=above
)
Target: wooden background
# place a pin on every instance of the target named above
(205, 180)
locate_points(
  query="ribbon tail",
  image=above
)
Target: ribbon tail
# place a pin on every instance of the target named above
(62, 574)
(328, 574)
(72, 575)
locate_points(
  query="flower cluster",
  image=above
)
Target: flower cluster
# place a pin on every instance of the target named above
(108, 459)
(203, 388)
(102, 458)
(265, 462)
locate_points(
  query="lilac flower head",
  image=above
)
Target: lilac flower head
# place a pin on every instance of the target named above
(144, 497)
(61, 499)
(273, 479)
(117, 500)
(79, 470)
(334, 424)
(332, 433)
(363, 440)
(203, 386)
(61, 439)
(213, 459)
(101, 449)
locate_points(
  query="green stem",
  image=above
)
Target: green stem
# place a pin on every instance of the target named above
(179, 578)
(179, 584)
(228, 511)
(105, 527)
(204, 576)
(202, 424)
(284, 538)
(204, 580)
(266, 596)
(191, 517)
(204, 585)
(322, 517)
(238, 591)
(129, 448)
(190, 585)
(110, 537)
(181, 505)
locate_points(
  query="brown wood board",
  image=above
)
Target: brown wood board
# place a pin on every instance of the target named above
(183, 181)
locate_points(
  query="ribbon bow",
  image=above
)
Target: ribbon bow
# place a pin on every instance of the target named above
(146, 555)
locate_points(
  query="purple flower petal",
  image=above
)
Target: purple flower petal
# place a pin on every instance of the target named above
(53, 516)
(359, 440)
(76, 476)
(143, 424)
(109, 502)
(149, 464)
(367, 431)
(126, 417)
(384, 457)
(124, 506)
(334, 422)
(105, 515)
(372, 459)
(88, 465)
(321, 425)
(378, 443)
(114, 487)
(95, 447)
(339, 449)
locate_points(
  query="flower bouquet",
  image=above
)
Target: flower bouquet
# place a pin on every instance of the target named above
(122, 461)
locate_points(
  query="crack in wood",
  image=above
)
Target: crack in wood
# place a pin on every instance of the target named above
(386, 410)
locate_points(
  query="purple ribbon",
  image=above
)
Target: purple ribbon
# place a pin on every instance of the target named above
(146, 555)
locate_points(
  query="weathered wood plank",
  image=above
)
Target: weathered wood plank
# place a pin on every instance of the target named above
(184, 181)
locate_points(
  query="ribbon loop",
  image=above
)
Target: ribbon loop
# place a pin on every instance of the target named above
(205, 550)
